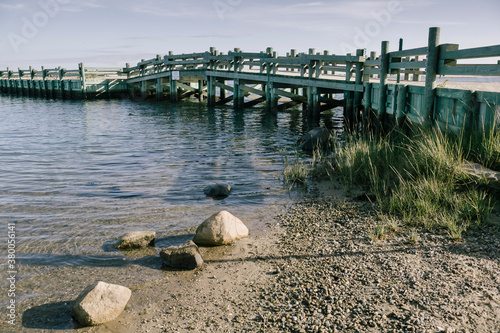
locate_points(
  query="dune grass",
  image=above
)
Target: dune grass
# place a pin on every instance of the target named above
(419, 179)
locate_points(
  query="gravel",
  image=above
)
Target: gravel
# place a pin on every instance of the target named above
(319, 270)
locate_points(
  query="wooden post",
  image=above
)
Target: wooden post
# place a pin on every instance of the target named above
(430, 75)
(271, 96)
(49, 90)
(348, 100)
(326, 52)
(407, 73)
(316, 106)
(144, 89)
(173, 89)
(373, 56)
(401, 104)
(130, 86)
(398, 79)
(211, 90)
(31, 84)
(384, 69)
(237, 61)
(367, 103)
(20, 89)
(312, 64)
(312, 91)
(62, 71)
(222, 92)
(358, 77)
(416, 76)
(9, 84)
(200, 90)
(159, 89)
(238, 95)
(81, 68)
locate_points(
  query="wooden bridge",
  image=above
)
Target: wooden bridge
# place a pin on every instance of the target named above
(382, 88)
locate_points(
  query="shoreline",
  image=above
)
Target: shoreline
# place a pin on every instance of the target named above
(317, 270)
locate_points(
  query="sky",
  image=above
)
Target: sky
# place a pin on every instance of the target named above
(111, 33)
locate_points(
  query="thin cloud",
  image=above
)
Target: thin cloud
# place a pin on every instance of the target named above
(7, 6)
(80, 6)
(177, 9)
(431, 22)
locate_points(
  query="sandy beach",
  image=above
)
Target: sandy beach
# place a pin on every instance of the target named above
(316, 269)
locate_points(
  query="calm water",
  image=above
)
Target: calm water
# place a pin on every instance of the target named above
(74, 176)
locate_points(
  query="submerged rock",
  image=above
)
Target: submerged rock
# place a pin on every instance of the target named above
(186, 256)
(136, 240)
(220, 229)
(100, 303)
(217, 190)
(316, 138)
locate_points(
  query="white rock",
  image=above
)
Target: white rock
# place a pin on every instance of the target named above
(219, 229)
(100, 303)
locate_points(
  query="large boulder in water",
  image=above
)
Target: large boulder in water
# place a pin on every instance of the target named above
(316, 138)
(217, 190)
(100, 303)
(186, 256)
(220, 229)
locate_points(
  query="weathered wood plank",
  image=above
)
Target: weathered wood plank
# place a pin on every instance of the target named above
(186, 87)
(410, 52)
(290, 95)
(253, 91)
(476, 52)
(224, 86)
(470, 70)
(450, 93)
(408, 64)
(372, 62)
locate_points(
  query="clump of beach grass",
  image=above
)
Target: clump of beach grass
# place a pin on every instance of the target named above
(295, 170)
(299, 168)
(417, 178)
(483, 147)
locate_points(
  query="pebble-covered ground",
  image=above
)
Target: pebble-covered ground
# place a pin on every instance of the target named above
(320, 271)
(333, 277)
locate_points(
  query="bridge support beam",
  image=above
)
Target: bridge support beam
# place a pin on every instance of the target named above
(159, 89)
(271, 96)
(144, 89)
(173, 90)
(238, 94)
(210, 90)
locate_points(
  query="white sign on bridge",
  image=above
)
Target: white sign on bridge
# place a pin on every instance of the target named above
(176, 75)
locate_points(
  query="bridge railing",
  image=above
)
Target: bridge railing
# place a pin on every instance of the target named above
(267, 62)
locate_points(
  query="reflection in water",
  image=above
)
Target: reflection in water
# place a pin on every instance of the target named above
(76, 175)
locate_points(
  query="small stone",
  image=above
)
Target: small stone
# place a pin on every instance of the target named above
(100, 303)
(136, 240)
(217, 190)
(186, 256)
